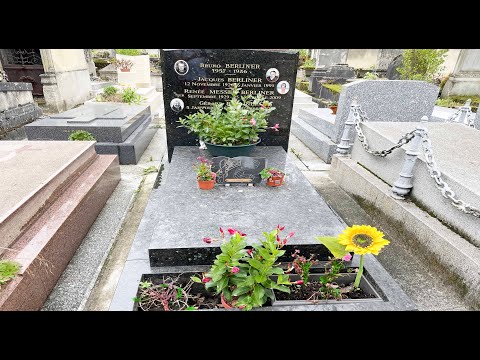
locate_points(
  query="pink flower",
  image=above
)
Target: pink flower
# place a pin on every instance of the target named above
(253, 122)
(285, 241)
(231, 231)
(202, 159)
(278, 239)
(221, 230)
(249, 252)
(280, 228)
(290, 235)
(205, 280)
(235, 270)
(275, 127)
(241, 307)
(299, 282)
(347, 257)
(241, 233)
(207, 240)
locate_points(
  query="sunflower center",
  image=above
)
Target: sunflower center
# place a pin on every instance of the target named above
(362, 240)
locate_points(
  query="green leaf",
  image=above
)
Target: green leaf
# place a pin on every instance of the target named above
(196, 279)
(283, 279)
(240, 291)
(190, 308)
(255, 263)
(283, 288)
(259, 292)
(337, 250)
(275, 270)
(260, 278)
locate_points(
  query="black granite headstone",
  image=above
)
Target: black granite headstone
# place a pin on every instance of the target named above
(193, 79)
(240, 169)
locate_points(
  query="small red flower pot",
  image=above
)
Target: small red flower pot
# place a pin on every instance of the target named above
(334, 109)
(125, 70)
(225, 304)
(207, 184)
(275, 180)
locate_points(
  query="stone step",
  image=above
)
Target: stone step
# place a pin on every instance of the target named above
(297, 107)
(447, 252)
(457, 156)
(47, 247)
(132, 148)
(34, 174)
(156, 103)
(321, 119)
(320, 144)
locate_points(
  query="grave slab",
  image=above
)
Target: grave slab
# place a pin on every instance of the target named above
(118, 128)
(177, 236)
(169, 238)
(456, 151)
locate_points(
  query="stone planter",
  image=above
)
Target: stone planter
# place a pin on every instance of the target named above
(345, 279)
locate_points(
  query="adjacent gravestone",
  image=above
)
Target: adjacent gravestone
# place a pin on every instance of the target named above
(194, 79)
(238, 170)
(118, 128)
(392, 73)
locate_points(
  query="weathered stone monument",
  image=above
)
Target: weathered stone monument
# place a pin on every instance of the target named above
(200, 77)
(465, 79)
(17, 108)
(119, 129)
(52, 192)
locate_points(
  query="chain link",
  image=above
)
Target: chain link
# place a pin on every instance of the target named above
(360, 116)
(435, 173)
(470, 117)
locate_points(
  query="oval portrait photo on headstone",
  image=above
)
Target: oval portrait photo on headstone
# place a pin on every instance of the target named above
(272, 75)
(181, 67)
(177, 105)
(283, 87)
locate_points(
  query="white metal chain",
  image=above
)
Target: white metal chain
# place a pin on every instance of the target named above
(435, 173)
(470, 117)
(360, 116)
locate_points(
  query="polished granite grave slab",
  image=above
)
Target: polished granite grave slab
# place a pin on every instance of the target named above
(120, 129)
(186, 214)
(178, 215)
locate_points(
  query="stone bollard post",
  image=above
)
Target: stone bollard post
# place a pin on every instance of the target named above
(404, 183)
(464, 111)
(343, 148)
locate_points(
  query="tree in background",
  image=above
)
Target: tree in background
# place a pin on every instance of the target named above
(422, 64)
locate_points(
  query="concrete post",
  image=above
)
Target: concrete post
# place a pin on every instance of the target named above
(404, 184)
(343, 148)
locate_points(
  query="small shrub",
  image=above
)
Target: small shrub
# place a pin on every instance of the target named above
(302, 86)
(309, 64)
(8, 270)
(110, 90)
(422, 64)
(129, 96)
(81, 135)
(370, 76)
(130, 52)
(459, 100)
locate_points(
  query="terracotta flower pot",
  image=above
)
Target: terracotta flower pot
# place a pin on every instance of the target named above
(334, 109)
(275, 180)
(125, 70)
(207, 184)
(225, 304)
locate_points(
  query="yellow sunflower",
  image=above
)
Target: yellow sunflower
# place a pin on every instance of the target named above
(362, 239)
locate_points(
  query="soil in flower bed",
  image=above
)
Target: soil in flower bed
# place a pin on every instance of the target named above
(305, 292)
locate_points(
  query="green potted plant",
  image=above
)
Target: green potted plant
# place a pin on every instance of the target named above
(123, 64)
(205, 176)
(231, 129)
(333, 106)
(274, 176)
(308, 66)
